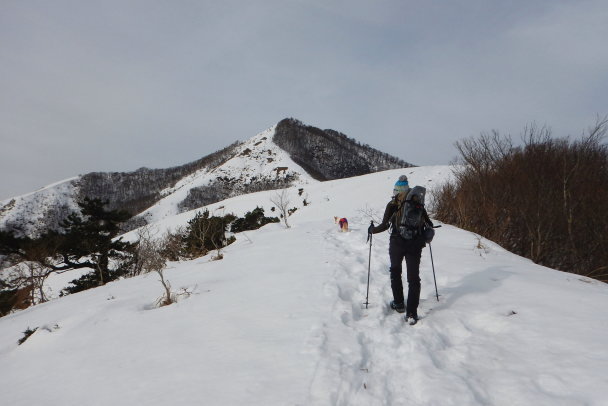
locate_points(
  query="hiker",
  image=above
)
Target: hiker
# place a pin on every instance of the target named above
(406, 241)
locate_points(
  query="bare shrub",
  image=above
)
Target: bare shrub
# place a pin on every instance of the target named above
(545, 200)
(32, 275)
(167, 297)
(173, 244)
(15, 299)
(27, 334)
(281, 200)
(150, 258)
(370, 213)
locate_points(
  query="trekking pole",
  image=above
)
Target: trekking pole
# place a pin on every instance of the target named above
(433, 265)
(369, 266)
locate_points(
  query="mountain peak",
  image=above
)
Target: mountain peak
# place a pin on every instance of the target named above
(329, 154)
(289, 153)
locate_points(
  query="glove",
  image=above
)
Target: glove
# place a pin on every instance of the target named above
(370, 230)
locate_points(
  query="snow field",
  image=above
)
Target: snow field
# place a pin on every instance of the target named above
(241, 332)
(280, 321)
(490, 340)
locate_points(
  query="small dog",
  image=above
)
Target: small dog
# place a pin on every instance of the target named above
(342, 222)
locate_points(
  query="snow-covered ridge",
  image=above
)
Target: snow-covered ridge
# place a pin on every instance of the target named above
(280, 321)
(258, 163)
(40, 208)
(257, 160)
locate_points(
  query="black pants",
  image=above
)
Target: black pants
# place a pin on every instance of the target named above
(411, 250)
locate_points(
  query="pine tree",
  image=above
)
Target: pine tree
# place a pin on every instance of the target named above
(205, 233)
(252, 221)
(88, 241)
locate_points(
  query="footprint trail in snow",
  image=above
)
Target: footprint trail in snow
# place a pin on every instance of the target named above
(463, 351)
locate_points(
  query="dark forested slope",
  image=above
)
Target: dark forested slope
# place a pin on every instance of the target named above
(329, 154)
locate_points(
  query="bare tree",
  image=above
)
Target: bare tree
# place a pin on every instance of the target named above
(35, 266)
(37, 275)
(544, 200)
(281, 200)
(150, 258)
(30, 276)
(167, 297)
(371, 214)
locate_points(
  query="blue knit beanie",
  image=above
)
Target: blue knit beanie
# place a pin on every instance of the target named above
(401, 186)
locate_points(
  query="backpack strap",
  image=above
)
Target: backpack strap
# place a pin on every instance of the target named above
(398, 205)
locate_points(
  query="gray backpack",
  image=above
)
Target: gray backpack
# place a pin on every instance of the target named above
(409, 218)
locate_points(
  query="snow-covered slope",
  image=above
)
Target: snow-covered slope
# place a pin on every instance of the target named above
(256, 163)
(258, 160)
(280, 321)
(243, 167)
(38, 208)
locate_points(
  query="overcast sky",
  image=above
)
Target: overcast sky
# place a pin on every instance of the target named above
(116, 85)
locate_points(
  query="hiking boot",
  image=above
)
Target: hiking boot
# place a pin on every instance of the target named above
(411, 318)
(399, 307)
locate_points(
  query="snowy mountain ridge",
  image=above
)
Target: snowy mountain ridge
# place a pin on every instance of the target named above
(27, 212)
(243, 167)
(280, 321)
(256, 161)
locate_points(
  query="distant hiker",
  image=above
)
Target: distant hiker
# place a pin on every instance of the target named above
(342, 222)
(409, 222)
